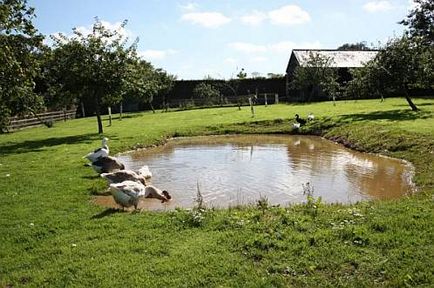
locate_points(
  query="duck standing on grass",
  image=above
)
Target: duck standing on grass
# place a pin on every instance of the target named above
(100, 152)
(299, 120)
(310, 117)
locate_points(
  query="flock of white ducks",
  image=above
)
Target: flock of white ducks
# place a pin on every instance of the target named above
(126, 186)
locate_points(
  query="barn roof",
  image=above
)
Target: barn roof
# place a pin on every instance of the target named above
(341, 59)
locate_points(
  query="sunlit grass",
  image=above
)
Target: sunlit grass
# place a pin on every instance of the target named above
(52, 235)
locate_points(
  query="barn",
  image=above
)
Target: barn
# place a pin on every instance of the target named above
(341, 60)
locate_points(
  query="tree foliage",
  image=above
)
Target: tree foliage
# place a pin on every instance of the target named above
(420, 21)
(208, 94)
(318, 73)
(20, 45)
(93, 65)
(401, 65)
(354, 46)
(143, 82)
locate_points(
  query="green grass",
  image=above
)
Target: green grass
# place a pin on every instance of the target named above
(51, 235)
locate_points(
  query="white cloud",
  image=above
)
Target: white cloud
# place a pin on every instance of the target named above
(117, 26)
(283, 46)
(289, 15)
(378, 6)
(254, 18)
(189, 6)
(206, 19)
(247, 47)
(151, 54)
(286, 15)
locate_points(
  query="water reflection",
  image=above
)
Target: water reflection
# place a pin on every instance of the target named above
(233, 170)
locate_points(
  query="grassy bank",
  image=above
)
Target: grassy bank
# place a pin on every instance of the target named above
(51, 235)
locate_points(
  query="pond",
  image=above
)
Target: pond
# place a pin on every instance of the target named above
(237, 170)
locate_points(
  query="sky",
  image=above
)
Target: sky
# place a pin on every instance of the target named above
(216, 38)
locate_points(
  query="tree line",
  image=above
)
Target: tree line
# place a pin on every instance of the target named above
(101, 67)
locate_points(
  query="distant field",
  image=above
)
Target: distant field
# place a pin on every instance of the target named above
(51, 235)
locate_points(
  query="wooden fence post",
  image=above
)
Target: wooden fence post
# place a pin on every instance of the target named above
(110, 115)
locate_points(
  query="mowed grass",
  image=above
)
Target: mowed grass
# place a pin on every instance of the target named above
(52, 235)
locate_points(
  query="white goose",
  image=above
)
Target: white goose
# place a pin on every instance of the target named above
(145, 172)
(100, 152)
(154, 192)
(124, 175)
(127, 193)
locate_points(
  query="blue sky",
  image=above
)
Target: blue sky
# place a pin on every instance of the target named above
(192, 39)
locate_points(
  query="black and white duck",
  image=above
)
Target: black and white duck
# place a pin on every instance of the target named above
(103, 151)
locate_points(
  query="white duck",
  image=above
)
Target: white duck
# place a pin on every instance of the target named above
(127, 193)
(310, 117)
(107, 164)
(124, 175)
(145, 172)
(100, 152)
(154, 192)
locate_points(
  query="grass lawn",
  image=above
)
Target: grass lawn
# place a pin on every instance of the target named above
(52, 235)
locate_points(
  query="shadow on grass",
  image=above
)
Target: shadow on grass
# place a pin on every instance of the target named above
(105, 213)
(91, 177)
(38, 145)
(421, 104)
(117, 118)
(392, 115)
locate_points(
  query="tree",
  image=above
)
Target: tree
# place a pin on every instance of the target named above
(316, 74)
(420, 21)
(354, 47)
(93, 65)
(275, 75)
(207, 93)
(233, 86)
(143, 82)
(398, 67)
(20, 44)
(364, 82)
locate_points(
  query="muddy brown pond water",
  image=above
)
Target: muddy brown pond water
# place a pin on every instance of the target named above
(235, 170)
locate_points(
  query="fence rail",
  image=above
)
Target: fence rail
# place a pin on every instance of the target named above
(259, 99)
(41, 118)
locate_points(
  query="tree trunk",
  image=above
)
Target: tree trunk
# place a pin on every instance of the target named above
(110, 115)
(121, 108)
(98, 115)
(152, 107)
(83, 114)
(407, 97)
(252, 109)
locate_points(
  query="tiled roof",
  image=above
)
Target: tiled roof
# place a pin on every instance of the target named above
(350, 59)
